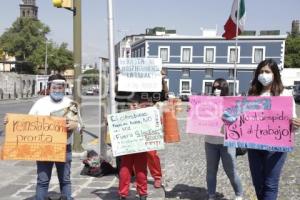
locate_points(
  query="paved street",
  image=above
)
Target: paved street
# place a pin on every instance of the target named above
(183, 165)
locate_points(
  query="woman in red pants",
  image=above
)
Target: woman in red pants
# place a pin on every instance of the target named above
(153, 163)
(136, 161)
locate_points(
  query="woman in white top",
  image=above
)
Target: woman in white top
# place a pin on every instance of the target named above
(215, 150)
(266, 166)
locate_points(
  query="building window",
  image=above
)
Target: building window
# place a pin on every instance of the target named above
(186, 72)
(142, 52)
(233, 55)
(231, 87)
(209, 54)
(139, 53)
(164, 53)
(128, 54)
(185, 86)
(186, 54)
(207, 87)
(258, 54)
(231, 73)
(209, 72)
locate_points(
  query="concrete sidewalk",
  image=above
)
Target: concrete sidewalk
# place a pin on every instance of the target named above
(18, 100)
(18, 180)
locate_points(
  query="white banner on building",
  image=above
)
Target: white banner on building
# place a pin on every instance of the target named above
(135, 131)
(140, 74)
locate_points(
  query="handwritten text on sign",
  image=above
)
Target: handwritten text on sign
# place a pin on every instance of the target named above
(135, 131)
(259, 122)
(205, 115)
(32, 137)
(140, 74)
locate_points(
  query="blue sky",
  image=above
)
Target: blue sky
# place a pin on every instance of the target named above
(134, 16)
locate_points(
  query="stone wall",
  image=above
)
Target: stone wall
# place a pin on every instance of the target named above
(14, 86)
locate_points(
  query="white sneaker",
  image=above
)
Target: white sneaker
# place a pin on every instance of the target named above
(238, 198)
(213, 197)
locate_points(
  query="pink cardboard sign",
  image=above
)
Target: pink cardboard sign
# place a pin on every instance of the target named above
(205, 115)
(259, 122)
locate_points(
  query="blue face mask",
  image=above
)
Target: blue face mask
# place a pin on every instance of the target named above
(57, 96)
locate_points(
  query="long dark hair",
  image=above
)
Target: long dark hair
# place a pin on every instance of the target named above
(277, 86)
(223, 86)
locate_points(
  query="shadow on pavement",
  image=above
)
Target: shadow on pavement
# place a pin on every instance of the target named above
(109, 194)
(51, 196)
(182, 191)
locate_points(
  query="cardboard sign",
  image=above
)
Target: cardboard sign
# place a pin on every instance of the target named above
(205, 115)
(259, 122)
(33, 137)
(135, 131)
(140, 74)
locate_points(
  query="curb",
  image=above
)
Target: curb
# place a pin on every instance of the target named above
(14, 101)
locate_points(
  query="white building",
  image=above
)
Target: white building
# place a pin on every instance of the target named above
(290, 76)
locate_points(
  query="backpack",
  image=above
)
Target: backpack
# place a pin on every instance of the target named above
(96, 166)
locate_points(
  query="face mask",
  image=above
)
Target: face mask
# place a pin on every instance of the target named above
(217, 92)
(57, 96)
(265, 79)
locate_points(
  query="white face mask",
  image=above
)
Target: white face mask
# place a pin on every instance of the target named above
(265, 79)
(217, 92)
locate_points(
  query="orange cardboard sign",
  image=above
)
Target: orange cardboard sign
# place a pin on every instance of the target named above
(34, 137)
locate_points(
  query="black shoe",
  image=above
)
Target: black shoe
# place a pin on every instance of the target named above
(122, 198)
(143, 197)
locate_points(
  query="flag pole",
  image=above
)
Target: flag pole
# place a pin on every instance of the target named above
(236, 47)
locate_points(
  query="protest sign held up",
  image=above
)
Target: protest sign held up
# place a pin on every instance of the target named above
(135, 131)
(205, 115)
(32, 137)
(259, 122)
(140, 74)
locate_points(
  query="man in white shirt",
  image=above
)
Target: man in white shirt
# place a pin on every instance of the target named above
(45, 106)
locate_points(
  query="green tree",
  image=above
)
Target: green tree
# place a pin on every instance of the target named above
(25, 36)
(59, 57)
(292, 51)
(26, 40)
(90, 76)
(1, 54)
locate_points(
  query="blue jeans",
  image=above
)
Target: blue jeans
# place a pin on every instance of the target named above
(265, 167)
(213, 154)
(44, 171)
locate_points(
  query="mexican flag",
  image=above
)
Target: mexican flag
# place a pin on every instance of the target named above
(232, 22)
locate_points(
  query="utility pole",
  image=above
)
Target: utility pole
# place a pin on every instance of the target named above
(112, 70)
(77, 66)
(102, 102)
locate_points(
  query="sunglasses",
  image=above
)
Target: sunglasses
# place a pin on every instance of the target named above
(217, 87)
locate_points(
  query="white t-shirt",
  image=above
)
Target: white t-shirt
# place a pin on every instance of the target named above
(46, 105)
